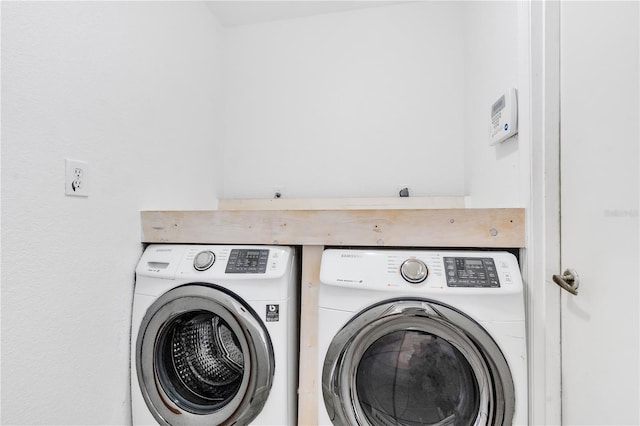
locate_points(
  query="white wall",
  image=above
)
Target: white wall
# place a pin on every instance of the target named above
(365, 102)
(493, 174)
(132, 88)
(349, 104)
(352, 104)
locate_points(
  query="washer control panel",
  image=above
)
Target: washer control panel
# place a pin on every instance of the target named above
(212, 262)
(471, 272)
(247, 261)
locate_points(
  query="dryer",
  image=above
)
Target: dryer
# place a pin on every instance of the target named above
(214, 336)
(421, 337)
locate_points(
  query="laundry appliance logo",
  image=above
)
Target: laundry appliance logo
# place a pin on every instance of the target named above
(273, 313)
(350, 255)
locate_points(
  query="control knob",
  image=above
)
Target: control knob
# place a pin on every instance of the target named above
(204, 260)
(414, 271)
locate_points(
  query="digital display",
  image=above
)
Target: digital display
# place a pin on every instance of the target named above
(250, 260)
(473, 262)
(497, 106)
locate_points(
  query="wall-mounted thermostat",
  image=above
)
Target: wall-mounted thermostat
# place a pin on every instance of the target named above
(504, 117)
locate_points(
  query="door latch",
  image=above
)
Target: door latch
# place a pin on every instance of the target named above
(569, 280)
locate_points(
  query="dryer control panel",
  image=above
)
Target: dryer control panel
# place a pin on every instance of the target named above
(471, 272)
(423, 272)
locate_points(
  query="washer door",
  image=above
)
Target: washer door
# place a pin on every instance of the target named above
(203, 358)
(416, 362)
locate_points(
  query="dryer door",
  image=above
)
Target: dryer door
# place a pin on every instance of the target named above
(203, 358)
(416, 362)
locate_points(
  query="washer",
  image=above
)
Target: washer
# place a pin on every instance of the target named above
(214, 336)
(421, 337)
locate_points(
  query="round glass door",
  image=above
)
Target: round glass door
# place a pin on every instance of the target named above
(203, 357)
(416, 362)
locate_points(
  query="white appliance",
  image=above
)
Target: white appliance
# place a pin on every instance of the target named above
(214, 336)
(421, 337)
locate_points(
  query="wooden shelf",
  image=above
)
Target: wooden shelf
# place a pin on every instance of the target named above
(491, 228)
(312, 225)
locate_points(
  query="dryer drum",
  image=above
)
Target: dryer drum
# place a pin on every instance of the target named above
(416, 378)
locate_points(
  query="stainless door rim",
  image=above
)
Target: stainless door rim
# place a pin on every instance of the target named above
(489, 366)
(256, 346)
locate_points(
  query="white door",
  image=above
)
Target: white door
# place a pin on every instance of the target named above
(599, 211)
